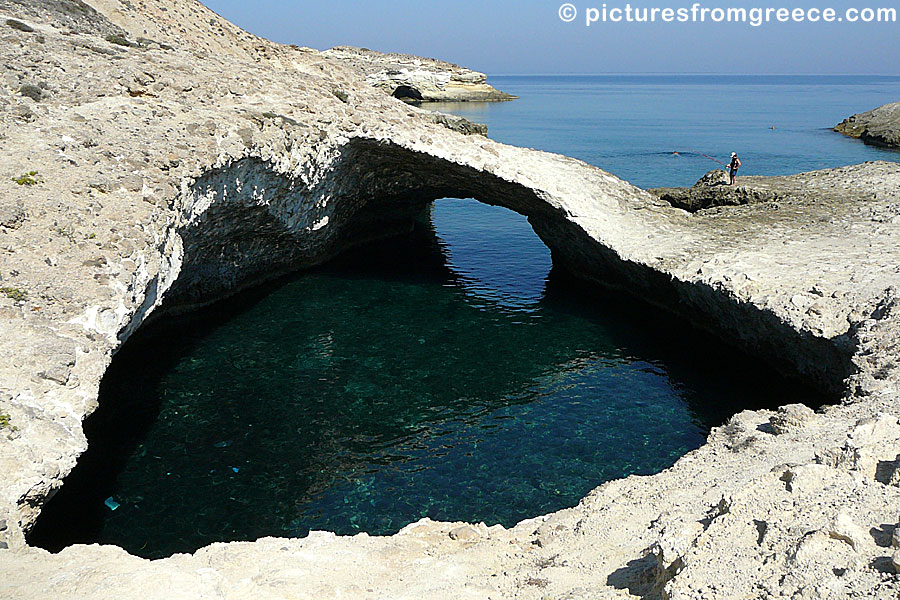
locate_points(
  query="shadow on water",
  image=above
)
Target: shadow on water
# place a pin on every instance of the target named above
(383, 388)
(715, 379)
(130, 401)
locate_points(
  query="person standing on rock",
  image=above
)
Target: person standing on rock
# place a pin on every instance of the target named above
(733, 166)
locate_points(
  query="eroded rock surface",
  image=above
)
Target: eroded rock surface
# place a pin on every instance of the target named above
(201, 160)
(879, 127)
(417, 79)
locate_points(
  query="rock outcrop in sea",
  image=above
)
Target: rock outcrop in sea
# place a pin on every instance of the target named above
(416, 79)
(856, 183)
(879, 127)
(155, 157)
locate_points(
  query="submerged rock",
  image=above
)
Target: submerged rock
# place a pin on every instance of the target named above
(879, 127)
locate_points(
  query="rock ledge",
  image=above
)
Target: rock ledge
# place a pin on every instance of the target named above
(879, 127)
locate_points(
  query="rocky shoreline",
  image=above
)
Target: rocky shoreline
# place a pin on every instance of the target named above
(415, 79)
(856, 183)
(157, 158)
(878, 127)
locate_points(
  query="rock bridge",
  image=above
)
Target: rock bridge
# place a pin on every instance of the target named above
(172, 173)
(250, 219)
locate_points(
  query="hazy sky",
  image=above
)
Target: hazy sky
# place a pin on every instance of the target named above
(528, 36)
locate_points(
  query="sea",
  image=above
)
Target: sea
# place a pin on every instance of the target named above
(654, 130)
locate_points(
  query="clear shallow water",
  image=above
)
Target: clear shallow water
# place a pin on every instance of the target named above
(450, 373)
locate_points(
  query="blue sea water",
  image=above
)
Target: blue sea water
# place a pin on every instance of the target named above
(630, 125)
(452, 372)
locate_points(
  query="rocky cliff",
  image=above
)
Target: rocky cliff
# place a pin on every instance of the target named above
(879, 127)
(155, 157)
(416, 79)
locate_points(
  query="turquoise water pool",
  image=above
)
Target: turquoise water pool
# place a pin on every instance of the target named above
(449, 374)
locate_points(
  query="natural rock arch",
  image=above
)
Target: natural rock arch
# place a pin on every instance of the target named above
(245, 221)
(803, 283)
(250, 220)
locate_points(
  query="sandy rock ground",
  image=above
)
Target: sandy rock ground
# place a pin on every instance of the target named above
(198, 159)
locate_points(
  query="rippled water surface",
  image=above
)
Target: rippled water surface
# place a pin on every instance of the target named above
(450, 373)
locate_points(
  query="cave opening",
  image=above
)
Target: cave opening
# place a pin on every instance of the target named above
(452, 371)
(407, 94)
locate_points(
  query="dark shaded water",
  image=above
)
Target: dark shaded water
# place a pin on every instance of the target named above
(450, 375)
